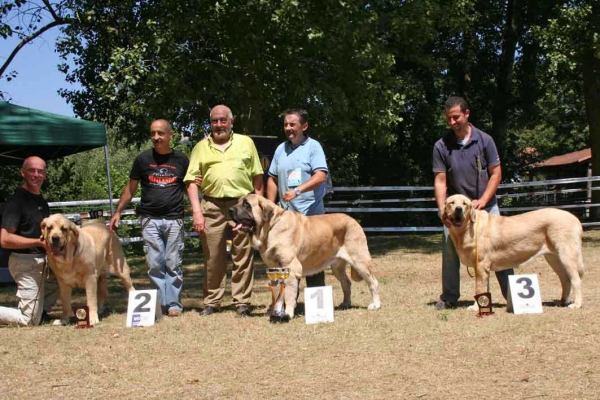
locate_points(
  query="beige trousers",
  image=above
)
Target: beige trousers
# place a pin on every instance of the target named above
(218, 221)
(34, 288)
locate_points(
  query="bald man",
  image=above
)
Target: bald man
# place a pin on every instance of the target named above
(161, 171)
(20, 233)
(230, 168)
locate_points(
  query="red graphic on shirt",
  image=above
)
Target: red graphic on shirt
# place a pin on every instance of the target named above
(163, 177)
(162, 180)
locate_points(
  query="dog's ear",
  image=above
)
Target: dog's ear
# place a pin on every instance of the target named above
(471, 212)
(267, 213)
(43, 229)
(74, 230)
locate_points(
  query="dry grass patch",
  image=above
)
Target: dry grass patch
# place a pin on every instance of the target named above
(405, 350)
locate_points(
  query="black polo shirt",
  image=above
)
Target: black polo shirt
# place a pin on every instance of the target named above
(466, 165)
(24, 212)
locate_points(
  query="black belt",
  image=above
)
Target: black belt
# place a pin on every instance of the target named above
(220, 198)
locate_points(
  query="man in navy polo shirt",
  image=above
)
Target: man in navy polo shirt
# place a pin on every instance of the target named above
(465, 161)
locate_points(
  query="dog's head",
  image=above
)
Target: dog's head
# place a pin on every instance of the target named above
(58, 232)
(251, 212)
(458, 210)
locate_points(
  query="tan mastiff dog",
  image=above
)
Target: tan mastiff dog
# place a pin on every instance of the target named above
(83, 257)
(307, 245)
(507, 242)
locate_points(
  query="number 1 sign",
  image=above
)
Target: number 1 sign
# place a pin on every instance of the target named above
(318, 304)
(143, 308)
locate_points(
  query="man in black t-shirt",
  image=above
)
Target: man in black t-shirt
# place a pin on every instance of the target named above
(160, 171)
(20, 234)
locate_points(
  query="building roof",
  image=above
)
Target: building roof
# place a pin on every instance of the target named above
(566, 159)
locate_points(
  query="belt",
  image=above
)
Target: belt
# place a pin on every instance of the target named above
(220, 198)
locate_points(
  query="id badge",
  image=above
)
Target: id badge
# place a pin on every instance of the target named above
(294, 177)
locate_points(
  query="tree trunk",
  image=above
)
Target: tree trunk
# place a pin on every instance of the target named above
(591, 83)
(510, 38)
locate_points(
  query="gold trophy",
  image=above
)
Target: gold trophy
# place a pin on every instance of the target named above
(277, 277)
(484, 302)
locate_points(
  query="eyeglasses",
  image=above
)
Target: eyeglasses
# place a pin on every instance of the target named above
(40, 171)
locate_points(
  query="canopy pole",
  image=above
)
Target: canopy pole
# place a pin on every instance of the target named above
(110, 195)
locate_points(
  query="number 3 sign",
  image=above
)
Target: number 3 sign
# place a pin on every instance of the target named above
(524, 294)
(143, 308)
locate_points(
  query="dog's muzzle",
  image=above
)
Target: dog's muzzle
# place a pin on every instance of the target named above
(243, 221)
(458, 217)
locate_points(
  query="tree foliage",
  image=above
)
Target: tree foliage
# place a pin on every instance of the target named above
(372, 75)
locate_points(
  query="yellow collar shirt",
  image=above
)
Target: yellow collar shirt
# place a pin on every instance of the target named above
(228, 172)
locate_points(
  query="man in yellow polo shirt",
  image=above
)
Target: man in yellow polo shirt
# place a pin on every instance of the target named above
(230, 168)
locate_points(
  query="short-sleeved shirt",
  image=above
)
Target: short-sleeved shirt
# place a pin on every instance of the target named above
(293, 166)
(466, 165)
(24, 211)
(161, 177)
(225, 173)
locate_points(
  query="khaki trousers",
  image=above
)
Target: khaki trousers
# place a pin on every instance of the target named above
(218, 221)
(33, 289)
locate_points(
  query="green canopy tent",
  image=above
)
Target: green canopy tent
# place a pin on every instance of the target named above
(27, 132)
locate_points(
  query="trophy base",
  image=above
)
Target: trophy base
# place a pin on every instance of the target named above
(279, 319)
(484, 302)
(82, 317)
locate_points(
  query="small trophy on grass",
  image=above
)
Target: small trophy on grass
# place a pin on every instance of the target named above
(82, 317)
(484, 302)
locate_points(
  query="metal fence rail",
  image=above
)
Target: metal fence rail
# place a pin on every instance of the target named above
(366, 201)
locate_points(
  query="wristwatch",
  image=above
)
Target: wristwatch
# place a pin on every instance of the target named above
(297, 191)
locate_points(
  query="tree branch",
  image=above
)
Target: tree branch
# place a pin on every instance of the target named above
(22, 43)
(51, 10)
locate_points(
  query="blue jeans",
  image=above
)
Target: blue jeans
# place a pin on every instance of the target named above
(164, 256)
(451, 268)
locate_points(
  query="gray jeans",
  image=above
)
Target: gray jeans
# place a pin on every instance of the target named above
(451, 268)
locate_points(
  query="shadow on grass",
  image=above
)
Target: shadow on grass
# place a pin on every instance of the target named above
(427, 243)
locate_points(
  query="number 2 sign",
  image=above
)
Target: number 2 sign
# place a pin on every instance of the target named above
(524, 294)
(143, 308)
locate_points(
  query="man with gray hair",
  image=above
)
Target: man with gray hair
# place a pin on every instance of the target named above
(230, 169)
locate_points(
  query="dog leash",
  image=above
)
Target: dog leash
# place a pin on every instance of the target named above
(476, 247)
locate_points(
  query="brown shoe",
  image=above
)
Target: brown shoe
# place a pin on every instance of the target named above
(174, 312)
(208, 310)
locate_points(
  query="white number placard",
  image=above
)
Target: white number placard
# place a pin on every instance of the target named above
(143, 308)
(318, 304)
(524, 294)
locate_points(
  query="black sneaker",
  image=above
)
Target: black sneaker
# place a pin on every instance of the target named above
(444, 305)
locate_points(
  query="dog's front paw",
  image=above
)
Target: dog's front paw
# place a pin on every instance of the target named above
(473, 307)
(289, 313)
(374, 306)
(64, 321)
(94, 319)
